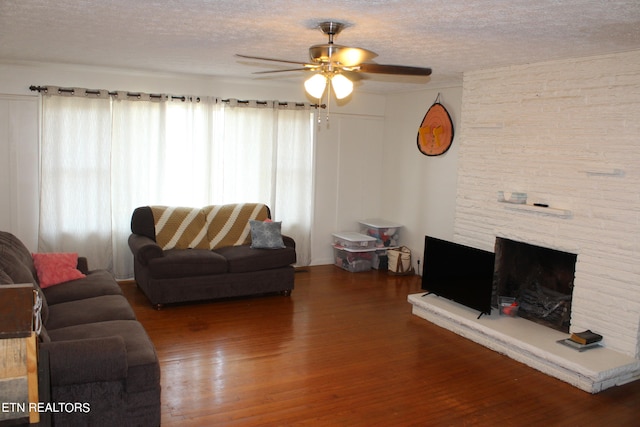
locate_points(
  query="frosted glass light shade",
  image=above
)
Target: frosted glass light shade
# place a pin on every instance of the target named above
(342, 86)
(315, 85)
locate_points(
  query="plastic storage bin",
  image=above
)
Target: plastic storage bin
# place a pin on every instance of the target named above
(380, 260)
(353, 240)
(386, 233)
(353, 260)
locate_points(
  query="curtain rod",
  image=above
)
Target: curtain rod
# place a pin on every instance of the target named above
(183, 98)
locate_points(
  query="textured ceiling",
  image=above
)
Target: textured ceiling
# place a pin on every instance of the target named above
(202, 36)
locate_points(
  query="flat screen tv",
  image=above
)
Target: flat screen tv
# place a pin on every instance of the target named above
(457, 272)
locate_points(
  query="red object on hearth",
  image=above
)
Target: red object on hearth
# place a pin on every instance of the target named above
(511, 310)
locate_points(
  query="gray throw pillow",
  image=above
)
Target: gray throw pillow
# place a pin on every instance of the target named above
(266, 235)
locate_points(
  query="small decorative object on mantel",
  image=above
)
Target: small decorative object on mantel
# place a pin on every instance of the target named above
(436, 130)
(508, 197)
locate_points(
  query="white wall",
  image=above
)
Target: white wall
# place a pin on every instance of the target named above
(560, 131)
(349, 158)
(419, 191)
(347, 146)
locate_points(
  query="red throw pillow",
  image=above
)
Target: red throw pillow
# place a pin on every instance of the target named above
(56, 268)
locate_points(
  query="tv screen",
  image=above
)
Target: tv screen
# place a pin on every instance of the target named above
(457, 272)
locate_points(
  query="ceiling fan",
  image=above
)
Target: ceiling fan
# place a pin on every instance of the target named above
(334, 63)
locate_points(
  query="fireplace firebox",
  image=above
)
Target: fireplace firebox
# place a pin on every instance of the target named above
(541, 280)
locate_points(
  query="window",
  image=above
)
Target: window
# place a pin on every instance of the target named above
(103, 156)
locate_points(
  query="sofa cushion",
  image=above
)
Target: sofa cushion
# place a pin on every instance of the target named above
(178, 263)
(13, 267)
(228, 225)
(243, 259)
(143, 369)
(87, 360)
(89, 310)
(56, 267)
(11, 244)
(266, 234)
(96, 283)
(180, 228)
(5, 279)
(83, 265)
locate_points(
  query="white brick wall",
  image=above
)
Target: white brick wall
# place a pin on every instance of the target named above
(560, 131)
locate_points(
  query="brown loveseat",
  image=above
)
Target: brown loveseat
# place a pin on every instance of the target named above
(99, 355)
(186, 254)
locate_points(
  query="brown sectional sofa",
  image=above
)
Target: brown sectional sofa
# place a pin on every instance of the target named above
(98, 353)
(206, 253)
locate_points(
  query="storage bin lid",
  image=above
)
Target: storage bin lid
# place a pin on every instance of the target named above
(354, 250)
(379, 223)
(353, 236)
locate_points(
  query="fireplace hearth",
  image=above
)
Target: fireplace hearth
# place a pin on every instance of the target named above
(530, 343)
(541, 280)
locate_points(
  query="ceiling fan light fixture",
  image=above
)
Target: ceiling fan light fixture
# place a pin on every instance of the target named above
(342, 86)
(328, 61)
(315, 85)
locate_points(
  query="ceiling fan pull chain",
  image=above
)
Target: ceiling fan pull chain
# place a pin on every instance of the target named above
(320, 106)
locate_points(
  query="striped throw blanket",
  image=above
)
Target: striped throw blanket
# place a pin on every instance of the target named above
(208, 228)
(180, 228)
(229, 224)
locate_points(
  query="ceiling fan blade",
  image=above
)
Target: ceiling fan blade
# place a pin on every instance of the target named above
(272, 59)
(283, 71)
(394, 69)
(354, 76)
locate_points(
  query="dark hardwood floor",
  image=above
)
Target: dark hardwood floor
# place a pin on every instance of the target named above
(345, 350)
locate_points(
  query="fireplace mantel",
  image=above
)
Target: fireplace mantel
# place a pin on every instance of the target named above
(530, 343)
(562, 213)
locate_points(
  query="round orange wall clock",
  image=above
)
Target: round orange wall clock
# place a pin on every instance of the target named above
(436, 131)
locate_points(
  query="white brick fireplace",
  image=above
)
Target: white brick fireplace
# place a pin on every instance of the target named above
(567, 133)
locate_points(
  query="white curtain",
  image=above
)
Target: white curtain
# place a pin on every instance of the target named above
(75, 194)
(103, 157)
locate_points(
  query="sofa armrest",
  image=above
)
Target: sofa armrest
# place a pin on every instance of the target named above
(288, 241)
(83, 265)
(144, 249)
(86, 361)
